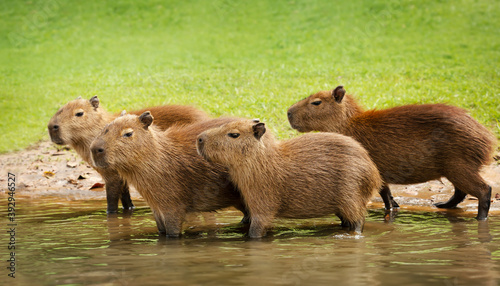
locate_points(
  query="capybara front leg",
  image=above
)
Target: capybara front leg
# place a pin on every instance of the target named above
(112, 195)
(125, 197)
(457, 198)
(484, 205)
(386, 195)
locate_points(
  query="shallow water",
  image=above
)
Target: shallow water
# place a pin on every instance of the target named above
(76, 243)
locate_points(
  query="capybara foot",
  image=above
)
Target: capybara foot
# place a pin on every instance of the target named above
(457, 198)
(173, 235)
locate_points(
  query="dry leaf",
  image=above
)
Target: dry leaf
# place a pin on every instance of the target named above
(97, 185)
(48, 174)
(497, 196)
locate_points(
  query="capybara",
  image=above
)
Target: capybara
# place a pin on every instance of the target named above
(79, 121)
(308, 176)
(409, 144)
(165, 168)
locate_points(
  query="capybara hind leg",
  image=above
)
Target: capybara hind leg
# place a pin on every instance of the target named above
(246, 215)
(386, 195)
(474, 185)
(356, 226)
(457, 198)
(126, 200)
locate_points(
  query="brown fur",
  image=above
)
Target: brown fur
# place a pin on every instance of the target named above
(410, 144)
(309, 176)
(65, 128)
(165, 168)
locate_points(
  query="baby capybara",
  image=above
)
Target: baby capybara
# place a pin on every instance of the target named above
(165, 168)
(409, 144)
(79, 121)
(309, 176)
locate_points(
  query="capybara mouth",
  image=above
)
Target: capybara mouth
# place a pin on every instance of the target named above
(56, 140)
(100, 163)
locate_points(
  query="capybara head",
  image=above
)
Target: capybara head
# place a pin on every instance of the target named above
(76, 121)
(322, 111)
(123, 142)
(233, 141)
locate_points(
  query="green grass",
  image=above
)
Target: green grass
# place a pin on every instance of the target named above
(245, 58)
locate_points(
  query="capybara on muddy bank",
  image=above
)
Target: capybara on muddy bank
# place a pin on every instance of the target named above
(165, 168)
(309, 176)
(79, 121)
(409, 144)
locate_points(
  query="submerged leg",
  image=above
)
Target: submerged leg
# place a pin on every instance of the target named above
(457, 198)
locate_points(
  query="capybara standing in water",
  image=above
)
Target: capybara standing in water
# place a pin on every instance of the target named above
(410, 144)
(165, 168)
(78, 122)
(309, 176)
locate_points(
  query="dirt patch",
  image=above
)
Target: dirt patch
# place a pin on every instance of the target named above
(47, 170)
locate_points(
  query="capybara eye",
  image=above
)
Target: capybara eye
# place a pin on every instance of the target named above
(316, 102)
(128, 134)
(79, 114)
(233, 135)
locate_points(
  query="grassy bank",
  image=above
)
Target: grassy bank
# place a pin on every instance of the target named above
(248, 58)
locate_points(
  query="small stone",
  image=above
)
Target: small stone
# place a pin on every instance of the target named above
(71, 164)
(497, 196)
(82, 177)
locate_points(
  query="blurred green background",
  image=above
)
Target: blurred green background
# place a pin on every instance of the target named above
(245, 58)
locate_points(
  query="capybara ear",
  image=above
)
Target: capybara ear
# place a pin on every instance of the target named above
(258, 130)
(146, 118)
(256, 120)
(79, 97)
(94, 101)
(123, 113)
(338, 93)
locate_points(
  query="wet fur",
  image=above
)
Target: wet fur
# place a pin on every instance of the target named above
(409, 144)
(79, 132)
(309, 176)
(166, 169)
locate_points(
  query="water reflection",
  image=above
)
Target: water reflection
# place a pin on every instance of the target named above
(78, 243)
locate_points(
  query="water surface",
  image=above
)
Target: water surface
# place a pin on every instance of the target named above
(76, 243)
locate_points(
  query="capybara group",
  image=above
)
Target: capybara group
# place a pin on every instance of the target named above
(165, 168)
(305, 177)
(78, 122)
(409, 144)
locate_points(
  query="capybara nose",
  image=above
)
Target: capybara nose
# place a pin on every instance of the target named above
(289, 114)
(98, 152)
(55, 127)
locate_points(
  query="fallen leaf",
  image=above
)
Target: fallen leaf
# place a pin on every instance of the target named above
(82, 177)
(71, 164)
(57, 154)
(48, 174)
(73, 181)
(97, 185)
(497, 196)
